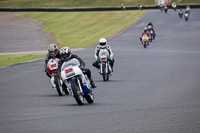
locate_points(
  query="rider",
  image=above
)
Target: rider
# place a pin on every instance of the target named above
(180, 11)
(187, 10)
(145, 32)
(67, 55)
(103, 45)
(53, 52)
(173, 4)
(150, 24)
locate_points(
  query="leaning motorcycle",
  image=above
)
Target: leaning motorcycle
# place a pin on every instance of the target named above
(105, 68)
(56, 80)
(78, 84)
(186, 15)
(145, 40)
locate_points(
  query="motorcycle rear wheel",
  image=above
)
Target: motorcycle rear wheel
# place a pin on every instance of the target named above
(64, 87)
(90, 98)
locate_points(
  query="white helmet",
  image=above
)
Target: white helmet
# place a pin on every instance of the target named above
(65, 53)
(102, 42)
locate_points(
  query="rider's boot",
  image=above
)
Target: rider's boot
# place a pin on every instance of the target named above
(92, 83)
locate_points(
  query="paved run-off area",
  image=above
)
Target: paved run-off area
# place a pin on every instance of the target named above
(19, 34)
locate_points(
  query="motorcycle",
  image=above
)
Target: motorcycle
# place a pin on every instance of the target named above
(180, 14)
(174, 7)
(56, 82)
(161, 8)
(105, 68)
(152, 34)
(166, 9)
(145, 40)
(186, 15)
(78, 84)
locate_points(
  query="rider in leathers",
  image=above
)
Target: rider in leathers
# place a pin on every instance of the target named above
(53, 52)
(67, 55)
(150, 24)
(145, 32)
(103, 45)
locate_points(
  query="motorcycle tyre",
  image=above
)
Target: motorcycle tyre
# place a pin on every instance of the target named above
(64, 87)
(145, 45)
(58, 85)
(78, 97)
(104, 72)
(90, 98)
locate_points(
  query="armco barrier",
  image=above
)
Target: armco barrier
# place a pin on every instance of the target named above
(86, 9)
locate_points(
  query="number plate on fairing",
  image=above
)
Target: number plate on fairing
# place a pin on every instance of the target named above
(69, 72)
(53, 66)
(103, 59)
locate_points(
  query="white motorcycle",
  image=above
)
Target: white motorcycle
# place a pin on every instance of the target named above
(186, 15)
(77, 83)
(105, 68)
(56, 81)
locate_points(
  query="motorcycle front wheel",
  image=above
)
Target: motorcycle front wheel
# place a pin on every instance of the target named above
(78, 95)
(58, 85)
(104, 72)
(145, 45)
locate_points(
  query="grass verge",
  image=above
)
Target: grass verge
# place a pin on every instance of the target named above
(84, 29)
(71, 3)
(77, 29)
(7, 60)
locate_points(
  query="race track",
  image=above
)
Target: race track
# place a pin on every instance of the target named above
(152, 90)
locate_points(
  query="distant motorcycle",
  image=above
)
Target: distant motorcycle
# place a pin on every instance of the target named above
(186, 15)
(152, 34)
(105, 68)
(166, 9)
(161, 8)
(145, 40)
(56, 81)
(174, 7)
(77, 83)
(180, 13)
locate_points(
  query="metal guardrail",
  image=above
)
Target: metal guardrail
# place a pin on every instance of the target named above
(86, 9)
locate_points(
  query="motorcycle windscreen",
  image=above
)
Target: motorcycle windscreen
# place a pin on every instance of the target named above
(72, 62)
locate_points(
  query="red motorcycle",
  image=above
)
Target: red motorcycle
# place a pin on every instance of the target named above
(56, 80)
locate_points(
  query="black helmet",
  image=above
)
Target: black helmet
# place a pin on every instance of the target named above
(53, 50)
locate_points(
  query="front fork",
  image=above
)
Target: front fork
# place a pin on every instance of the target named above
(101, 67)
(69, 88)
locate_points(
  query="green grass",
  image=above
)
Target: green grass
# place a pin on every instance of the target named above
(7, 60)
(84, 29)
(71, 3)
(190, 2)
(81, 3)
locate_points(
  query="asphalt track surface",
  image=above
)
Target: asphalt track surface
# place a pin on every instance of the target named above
(19, 34)
(152, 90)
